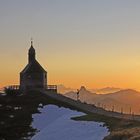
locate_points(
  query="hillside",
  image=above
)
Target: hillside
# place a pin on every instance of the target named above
(123, 100)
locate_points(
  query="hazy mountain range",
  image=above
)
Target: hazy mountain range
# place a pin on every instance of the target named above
(105, 90)
(62, 89)
(127, 100)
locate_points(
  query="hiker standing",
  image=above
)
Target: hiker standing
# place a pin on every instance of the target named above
(77, 94)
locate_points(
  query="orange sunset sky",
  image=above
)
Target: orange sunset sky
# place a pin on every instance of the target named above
(79, 42)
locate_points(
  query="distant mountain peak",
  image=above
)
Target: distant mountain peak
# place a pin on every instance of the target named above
(83, 88)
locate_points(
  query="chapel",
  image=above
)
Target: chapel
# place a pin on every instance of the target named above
(33, 75)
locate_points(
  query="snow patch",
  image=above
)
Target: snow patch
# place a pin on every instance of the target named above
(54, 123)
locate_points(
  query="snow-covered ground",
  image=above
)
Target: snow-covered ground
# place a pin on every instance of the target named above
(54, 123)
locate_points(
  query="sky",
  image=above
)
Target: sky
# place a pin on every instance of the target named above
(94, 43)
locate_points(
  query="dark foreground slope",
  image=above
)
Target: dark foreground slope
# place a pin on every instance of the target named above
(16, 117)
(120, 129)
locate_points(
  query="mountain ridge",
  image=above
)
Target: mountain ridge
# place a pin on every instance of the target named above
(126, 99)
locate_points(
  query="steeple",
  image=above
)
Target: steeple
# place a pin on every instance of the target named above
(31, 41)
(31, 53)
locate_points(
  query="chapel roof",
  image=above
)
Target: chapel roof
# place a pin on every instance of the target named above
(33, 67)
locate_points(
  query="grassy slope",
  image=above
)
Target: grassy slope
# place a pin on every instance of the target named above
(120, 129)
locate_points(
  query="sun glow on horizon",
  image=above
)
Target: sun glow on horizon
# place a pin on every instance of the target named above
(90, 43)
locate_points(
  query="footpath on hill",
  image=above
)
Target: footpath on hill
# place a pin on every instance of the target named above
(87, 108)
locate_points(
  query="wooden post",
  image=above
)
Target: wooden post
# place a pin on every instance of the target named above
(130, 111)
(121, 110)
(113, 108)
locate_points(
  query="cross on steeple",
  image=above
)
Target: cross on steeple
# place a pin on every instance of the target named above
(31, 41)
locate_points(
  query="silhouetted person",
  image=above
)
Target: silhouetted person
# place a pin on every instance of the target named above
(77, 94)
